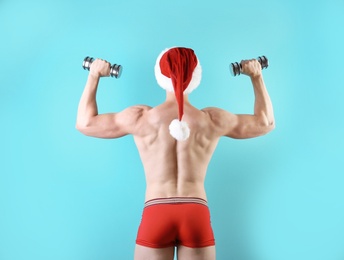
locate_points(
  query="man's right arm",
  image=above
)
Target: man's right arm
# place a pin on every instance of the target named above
(110, 125)
(247, 126)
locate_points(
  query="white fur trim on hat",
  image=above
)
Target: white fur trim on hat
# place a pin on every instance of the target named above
(179, 130)
(166, 82)
(163, 81)
(196, 79)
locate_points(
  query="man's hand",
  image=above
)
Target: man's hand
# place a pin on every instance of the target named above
(251, 68)
(100, 68)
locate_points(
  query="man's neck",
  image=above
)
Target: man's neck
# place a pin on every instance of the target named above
(170, 97)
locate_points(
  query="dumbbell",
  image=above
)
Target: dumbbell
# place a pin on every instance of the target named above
(115, 69)
(235, 67)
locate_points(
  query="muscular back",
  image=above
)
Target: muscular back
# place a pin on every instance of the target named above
(175, 168)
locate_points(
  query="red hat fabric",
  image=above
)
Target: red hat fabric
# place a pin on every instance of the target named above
(178, 69)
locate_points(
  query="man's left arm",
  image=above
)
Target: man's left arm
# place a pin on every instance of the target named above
(247, 126)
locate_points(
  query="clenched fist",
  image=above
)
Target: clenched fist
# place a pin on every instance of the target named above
(100, 68)
(251, 68)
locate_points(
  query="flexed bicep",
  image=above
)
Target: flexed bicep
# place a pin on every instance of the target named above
(238, 126)
(248, 126)
(114, 125)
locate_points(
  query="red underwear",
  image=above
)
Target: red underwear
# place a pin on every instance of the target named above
(170, 222)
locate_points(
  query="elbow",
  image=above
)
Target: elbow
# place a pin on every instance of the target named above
(269, 126)
(84, 124)
(82, 128)
(78, 127)
(273, 125)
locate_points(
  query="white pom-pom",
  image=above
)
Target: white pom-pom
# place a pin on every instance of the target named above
(179, 130)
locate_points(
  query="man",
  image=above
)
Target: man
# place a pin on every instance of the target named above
(175, 141)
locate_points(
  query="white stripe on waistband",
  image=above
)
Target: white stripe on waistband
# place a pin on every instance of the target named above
(175, 200)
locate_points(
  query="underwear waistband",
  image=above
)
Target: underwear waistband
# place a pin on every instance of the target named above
(175, 200)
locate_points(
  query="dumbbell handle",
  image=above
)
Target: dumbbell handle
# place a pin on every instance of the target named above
(115, 69)
(236, 68)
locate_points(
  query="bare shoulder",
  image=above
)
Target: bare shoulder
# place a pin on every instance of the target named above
(217, 115)
(239, 126)
(139, 108)
(130, 119)
(224, 123)
(137, 111)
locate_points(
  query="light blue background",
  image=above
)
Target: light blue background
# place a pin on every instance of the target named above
(67, 196)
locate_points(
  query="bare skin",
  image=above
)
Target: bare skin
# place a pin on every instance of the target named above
(175, 168)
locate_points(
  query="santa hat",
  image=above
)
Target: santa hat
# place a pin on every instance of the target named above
(178, 70)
